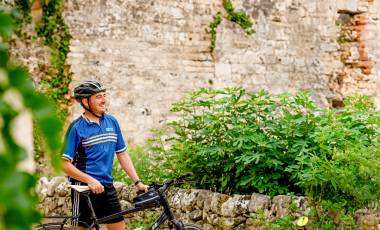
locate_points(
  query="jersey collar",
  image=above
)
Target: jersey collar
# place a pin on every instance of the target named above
(88, 121)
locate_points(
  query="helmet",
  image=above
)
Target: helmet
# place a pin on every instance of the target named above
(86, 89)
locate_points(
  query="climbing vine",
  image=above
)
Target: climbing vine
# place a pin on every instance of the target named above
(55, 34)
(21, 16)
(239, 17)
(213, 25)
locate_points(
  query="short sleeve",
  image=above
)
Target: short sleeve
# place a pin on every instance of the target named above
(120, 144)
(71, 144)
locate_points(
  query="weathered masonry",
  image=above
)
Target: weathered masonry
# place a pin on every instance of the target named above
(205, 208)
(149, 53)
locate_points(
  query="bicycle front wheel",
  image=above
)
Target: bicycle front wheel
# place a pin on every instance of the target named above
(51, 227)
(192, 227)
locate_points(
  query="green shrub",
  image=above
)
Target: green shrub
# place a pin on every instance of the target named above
(351, 175)
(330, 215)
(244, 142)
(151, 161)
(239, 142)
(347, 165)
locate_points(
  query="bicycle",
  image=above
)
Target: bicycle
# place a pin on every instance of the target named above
(154, 197)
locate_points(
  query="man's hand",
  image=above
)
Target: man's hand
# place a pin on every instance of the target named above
(75, 173)
(96, 187)
(141, 187)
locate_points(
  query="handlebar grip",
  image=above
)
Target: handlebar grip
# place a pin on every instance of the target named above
(184, 176)
(189, 174)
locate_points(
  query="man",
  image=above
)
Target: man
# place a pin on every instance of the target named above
(91, 143)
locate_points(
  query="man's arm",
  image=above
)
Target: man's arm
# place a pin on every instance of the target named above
(127, 164)
(75, 173)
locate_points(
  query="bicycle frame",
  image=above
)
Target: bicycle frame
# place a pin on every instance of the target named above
(167, 214)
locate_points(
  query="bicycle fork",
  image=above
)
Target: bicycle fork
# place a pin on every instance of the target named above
(166, 215)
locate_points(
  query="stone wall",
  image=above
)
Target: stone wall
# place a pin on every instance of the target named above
(205, 208)
(149, 53)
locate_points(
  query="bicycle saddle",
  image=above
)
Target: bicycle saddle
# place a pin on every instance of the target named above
(79, 188)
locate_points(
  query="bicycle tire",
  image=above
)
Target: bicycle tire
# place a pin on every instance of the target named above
(192, 227)
(51, 227)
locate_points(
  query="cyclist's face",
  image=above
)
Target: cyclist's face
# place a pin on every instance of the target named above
(98, 103)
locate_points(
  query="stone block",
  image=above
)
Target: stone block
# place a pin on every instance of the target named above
(259, 202)
(54, 183)
(188, 200)
(280, 205)
(235, 206)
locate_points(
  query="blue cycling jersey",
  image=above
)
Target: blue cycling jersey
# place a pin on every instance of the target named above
(92, 147)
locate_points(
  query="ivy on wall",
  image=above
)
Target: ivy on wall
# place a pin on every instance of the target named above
(213, 25)
(239, 17)
(21, 16)
(55, 34)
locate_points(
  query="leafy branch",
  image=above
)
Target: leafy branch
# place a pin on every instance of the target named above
(17, 196)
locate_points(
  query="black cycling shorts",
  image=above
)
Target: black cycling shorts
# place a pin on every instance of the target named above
(104, 204)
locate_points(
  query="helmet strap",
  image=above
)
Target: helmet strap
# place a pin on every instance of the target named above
(89, 108)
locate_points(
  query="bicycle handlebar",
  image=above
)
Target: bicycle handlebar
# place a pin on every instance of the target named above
(165, 186)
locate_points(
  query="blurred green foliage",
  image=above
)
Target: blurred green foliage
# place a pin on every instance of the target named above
(17, 196)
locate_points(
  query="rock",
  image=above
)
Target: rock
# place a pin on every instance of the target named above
(208, 227)
(41, 188)
(202, 195)
(196, 215)
(241, 227)
(213, 219)
(67, 206)
(227, 223)
(127, 193)
(259, 202)
(125, 204)
(188, 200)
(302, 205)
(214, 202)
(280, 205)
(367, 219)
(118, 186)
(61, 201)
(62, 189)
(231, 223)
(53, 184)
(235, 206)
(50, 205)
(176, 199)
